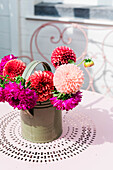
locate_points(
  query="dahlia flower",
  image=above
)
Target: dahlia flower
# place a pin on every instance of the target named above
(2, 97)
(66, 104)
(14, 68)
(68, 78)
(61, 55)
(42, 83)
(18, 97)
(4, 61)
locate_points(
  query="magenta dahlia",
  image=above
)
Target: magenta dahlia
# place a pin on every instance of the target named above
(42, 83)
(2, 96)
(68, 104)
(14, 68)
(61, 55)
(4, 60)
(18, 97)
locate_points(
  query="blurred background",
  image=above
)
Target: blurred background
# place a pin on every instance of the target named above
(33, 29)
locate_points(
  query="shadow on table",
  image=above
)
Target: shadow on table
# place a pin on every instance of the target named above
(103, 120)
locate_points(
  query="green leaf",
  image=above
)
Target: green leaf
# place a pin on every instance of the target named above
(88, 60)
(19, 79)
(61, 96)
(71, 62)
(7, 76)
(55, 95)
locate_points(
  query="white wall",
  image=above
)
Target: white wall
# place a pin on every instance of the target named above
(105, 2)
(5, 47)
(84, 2)
(9, 27)
(14, 8)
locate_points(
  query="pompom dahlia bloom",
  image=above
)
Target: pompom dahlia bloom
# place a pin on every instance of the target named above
(42, 83)
(4, 61)
(61, 55)
(18, 97)
(2, 96)
(66, 104)
(14, 68)
(68, 78)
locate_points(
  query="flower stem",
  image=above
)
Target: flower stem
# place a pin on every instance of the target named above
(80, 62)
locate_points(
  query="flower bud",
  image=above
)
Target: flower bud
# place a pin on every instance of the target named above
(88, 63)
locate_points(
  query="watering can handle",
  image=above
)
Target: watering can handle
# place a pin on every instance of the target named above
(30, 67)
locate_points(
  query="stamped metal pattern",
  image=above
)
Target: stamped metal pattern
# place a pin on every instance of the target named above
(78, 134)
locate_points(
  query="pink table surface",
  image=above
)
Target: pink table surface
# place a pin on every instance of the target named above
(86, 142)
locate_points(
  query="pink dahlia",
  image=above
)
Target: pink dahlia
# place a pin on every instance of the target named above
(42, 83)
(19, 97)
(4, 60)
(61, 55)
(68, 104)
(68, 78)
(14, 68)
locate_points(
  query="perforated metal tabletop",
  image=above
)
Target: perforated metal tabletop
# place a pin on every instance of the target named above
(86, 141)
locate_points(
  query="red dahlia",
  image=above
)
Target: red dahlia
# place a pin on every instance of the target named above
(42, 83)
(61, 55)
(14, 68)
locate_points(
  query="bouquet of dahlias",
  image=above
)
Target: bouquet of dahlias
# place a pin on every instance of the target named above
(62, 88)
